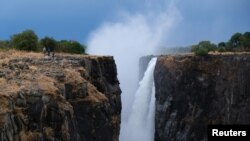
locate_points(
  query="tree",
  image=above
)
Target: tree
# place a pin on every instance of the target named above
(203, 48)
(4, 44)
(222, 44)
(49, 42)
(246, 34)
(76, 47)
(235, 40)
(222, 47)
(207, 45)
(245, 40)
(27, 40)
(70, 47)
(201, 51)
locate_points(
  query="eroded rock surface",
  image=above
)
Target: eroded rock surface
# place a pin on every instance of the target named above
(193, 91)
(68, 98)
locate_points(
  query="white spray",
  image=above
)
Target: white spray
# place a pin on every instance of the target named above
(127, 39)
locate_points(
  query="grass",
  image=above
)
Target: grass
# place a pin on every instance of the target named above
(74, 77)
(41, 77)
(11, 53)
(94, 95)
(47, 84)
(7, 88)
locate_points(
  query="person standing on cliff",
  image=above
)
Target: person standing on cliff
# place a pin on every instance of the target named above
(48, 50)
(44, 51)
(52, 51)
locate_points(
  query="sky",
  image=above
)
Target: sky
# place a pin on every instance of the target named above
(214, 20)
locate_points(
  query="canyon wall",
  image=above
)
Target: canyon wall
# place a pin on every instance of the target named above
(194, 91)
(68, 98)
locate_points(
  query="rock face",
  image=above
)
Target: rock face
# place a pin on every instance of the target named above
(192, 92)
(68, 98)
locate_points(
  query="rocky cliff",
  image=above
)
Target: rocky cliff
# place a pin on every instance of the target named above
(66, 98)
(193, 91)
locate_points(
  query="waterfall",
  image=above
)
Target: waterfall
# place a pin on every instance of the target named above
(127, 38)
(140, 124)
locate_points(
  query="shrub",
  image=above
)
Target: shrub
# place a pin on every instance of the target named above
(48, 42)
(203, 48)
(27, 40)
(201, 51)
(4, 44)
(70, 47)
(222, 49)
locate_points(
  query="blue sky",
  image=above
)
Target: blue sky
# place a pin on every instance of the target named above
(214, 20)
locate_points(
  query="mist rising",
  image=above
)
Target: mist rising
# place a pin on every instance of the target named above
(129, 38)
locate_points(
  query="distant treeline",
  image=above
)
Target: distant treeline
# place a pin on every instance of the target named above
(237, 43)
(29, 41)
(163, 50)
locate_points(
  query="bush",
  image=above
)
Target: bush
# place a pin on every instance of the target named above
(207, 45)
(222, 49)
(235, 40)
(48, 42)
(76, 47)
(201, 51)
(70, 47)
(27, 40)
(203, 48)
(222, 44)
(245, 40)
(4, 44)
(194, 48)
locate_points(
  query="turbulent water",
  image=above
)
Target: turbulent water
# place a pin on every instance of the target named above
(140, 124)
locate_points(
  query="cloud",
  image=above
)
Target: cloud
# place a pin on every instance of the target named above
(200, 17)
(210, 20)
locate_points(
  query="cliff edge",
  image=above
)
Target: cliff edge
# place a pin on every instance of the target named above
(68, 98)
(194, 91)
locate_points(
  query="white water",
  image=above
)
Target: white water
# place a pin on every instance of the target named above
(140, 124)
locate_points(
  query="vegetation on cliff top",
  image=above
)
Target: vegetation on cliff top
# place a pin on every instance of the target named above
(29, 41)
(237, 43)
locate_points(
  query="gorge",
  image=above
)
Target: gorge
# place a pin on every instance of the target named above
(78, 98)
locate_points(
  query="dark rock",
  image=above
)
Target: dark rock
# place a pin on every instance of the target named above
(2, 74)
(68, 98)
(193, 92)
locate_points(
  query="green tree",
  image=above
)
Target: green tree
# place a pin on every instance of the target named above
(201, 51)
(235, 40)
(76, 47)
(62, 46)
(207, 45)
(245, 40)
(49, 42)
(4, 44)
(27, 40)
(203, 48)
(222, 44)
(70, 47)
(222, 47)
